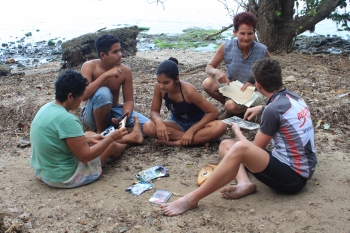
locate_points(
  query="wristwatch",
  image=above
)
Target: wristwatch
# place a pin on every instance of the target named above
(262, 108)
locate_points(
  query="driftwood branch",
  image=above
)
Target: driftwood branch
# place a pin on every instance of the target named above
(193, 70)
(221, 31)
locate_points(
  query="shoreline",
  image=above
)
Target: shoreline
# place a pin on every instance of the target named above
(22, 55)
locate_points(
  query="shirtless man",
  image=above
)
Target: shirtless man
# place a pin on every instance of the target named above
(286, 121)
(106, 76)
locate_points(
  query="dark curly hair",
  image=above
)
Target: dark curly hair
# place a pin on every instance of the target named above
(169, 68)
(244, 18)
(105, 42)
(268, 73)
(69, 81)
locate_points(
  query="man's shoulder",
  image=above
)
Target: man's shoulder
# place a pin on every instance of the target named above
(125, 67)
(91, 63)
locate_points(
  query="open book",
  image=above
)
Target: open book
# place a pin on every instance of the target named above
(233, 91)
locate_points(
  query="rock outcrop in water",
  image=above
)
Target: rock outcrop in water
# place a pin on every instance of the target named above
(78, 50)
(322, 45)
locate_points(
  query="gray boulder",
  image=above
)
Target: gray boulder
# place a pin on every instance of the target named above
(78, 50)
(5, 69)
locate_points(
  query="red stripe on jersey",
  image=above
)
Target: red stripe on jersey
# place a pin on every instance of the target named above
(296, 155)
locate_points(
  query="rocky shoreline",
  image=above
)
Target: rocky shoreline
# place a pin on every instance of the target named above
(22, 55)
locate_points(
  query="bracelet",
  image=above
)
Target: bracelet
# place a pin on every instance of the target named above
(262, 109)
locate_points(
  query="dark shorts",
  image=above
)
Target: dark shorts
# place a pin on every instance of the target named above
(280, 177)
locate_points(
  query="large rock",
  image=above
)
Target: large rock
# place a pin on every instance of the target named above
(5, 69)
(78, 50)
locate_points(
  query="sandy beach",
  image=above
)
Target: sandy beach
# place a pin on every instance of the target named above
(28, 205)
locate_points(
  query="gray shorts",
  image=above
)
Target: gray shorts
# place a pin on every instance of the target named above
(85, 173)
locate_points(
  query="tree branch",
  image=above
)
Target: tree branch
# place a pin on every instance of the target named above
(222, 30)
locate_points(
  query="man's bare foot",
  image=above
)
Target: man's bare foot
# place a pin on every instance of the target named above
(179, 206)
(168, 143)
(135, 137)
(238, 191)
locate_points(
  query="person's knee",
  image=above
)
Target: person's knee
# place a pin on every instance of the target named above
(221, 127)
(208, 88)
(230, 105)
(148, 128)
(102, 97)
(238, 150)
(225, 146)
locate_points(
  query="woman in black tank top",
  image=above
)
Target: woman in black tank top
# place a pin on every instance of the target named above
(192, 119)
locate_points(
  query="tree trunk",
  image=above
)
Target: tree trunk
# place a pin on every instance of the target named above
(78, 50)
(277, 25)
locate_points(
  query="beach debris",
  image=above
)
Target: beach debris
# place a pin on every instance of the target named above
(343, 95)
(252, 211)
(24, 142)
(326, 126)
(177, 194)
(289, 79)
(318, 123)
(181, 223)
(11, 60)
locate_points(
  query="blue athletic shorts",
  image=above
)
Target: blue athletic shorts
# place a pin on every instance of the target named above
(184, 126)
(102, 97)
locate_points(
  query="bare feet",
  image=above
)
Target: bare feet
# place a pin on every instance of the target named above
(175, 143)
(238, 191)
(168, 143)
(135, 137)
(179, 206)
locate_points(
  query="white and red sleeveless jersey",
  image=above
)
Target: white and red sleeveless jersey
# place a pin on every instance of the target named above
(287, 119)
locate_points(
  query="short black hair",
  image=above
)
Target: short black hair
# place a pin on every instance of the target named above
(105, 42)
(268, 73)
(169, 68)
(69, 81)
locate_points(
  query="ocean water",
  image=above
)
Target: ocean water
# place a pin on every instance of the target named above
(66, 19)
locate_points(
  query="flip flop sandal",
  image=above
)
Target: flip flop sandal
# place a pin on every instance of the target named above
(204, 173)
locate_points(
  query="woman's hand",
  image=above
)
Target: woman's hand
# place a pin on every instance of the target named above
(187, 138)
(221, 77)
(162, 132)
(247, 84)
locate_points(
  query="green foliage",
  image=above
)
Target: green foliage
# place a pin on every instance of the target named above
(143, 28)
(28, 34)
(278, 13)
(309, 8)
(312, 12)
(51, 43)
(191, 38)
(342, 19)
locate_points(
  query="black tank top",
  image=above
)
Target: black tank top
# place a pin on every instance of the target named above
(183, 111)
